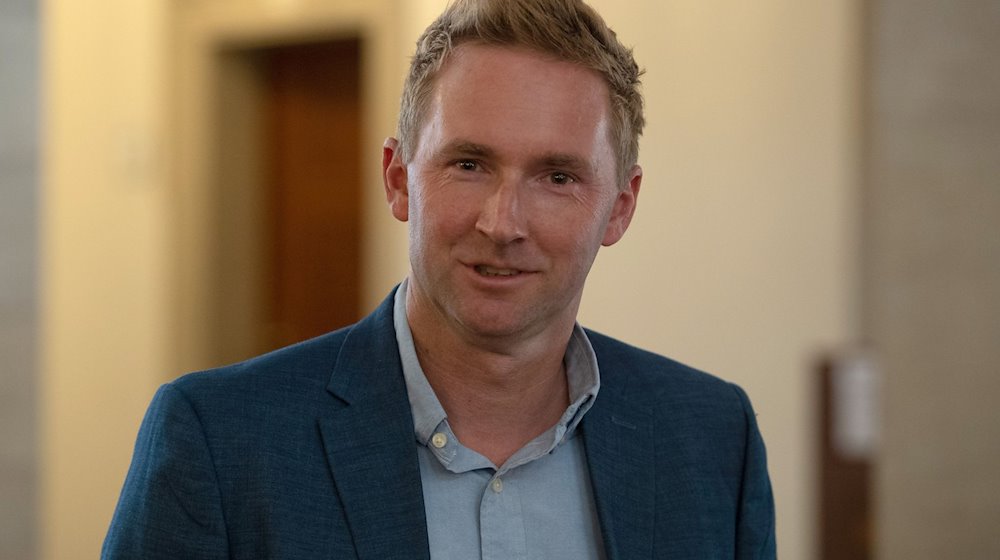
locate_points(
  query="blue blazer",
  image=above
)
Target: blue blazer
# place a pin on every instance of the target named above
(309, 452)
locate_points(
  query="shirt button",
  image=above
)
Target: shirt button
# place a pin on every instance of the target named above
(439, 440)
(497, 485)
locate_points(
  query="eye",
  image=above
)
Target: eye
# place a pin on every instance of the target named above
(467, 165)
(560, 178)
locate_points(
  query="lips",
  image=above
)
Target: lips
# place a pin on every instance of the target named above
(485, 270)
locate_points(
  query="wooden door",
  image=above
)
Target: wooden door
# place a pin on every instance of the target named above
(312, 145)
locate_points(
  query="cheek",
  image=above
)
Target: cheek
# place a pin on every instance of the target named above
(421, 238)
(576, 241)
(436, 217)
(581, 225)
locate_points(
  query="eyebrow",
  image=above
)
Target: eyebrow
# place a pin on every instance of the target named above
(547, 159)
(570, 161)
(466, 148)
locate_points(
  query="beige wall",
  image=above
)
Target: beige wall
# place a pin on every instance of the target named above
(740, 261)
(741, 258)
(104, 256)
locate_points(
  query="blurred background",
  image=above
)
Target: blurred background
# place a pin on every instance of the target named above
(187, 183)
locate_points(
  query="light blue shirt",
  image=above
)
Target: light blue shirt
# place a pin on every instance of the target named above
(537, 505)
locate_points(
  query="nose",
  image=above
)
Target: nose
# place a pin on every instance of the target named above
(502, 217)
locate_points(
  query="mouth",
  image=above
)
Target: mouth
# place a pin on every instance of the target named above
(484, 270)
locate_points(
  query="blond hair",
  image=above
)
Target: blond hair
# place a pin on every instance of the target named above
(568, 30)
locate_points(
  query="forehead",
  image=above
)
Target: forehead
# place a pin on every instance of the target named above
(506, 71)
(504, 94)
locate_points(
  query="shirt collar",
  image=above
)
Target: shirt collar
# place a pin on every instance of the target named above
(583, 379)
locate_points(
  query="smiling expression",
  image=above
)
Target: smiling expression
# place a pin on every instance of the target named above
(510, 192)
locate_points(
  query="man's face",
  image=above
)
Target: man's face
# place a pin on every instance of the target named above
(509, 194)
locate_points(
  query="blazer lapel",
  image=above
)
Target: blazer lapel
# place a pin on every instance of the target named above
(617, 434)
(370, 445)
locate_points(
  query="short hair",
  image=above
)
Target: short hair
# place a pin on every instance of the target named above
(568, 30)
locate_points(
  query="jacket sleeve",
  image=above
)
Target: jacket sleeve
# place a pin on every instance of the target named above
(170, 506)
(755, 525)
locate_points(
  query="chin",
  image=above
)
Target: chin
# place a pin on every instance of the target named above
(490, 326)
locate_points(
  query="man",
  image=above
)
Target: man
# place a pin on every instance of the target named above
(470, 416)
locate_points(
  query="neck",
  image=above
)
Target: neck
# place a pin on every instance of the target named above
(498, 395)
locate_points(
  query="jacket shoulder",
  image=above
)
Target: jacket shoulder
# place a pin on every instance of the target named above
(305, 365)
(293, 373)
(644, 371)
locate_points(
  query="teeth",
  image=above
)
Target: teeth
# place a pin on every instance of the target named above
(490, 271)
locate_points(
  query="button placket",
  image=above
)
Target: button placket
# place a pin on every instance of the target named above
(502, 533)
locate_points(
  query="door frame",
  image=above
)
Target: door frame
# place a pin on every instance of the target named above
(204, 35)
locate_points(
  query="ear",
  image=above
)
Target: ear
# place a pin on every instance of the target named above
(397, 193)
(624, 208)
